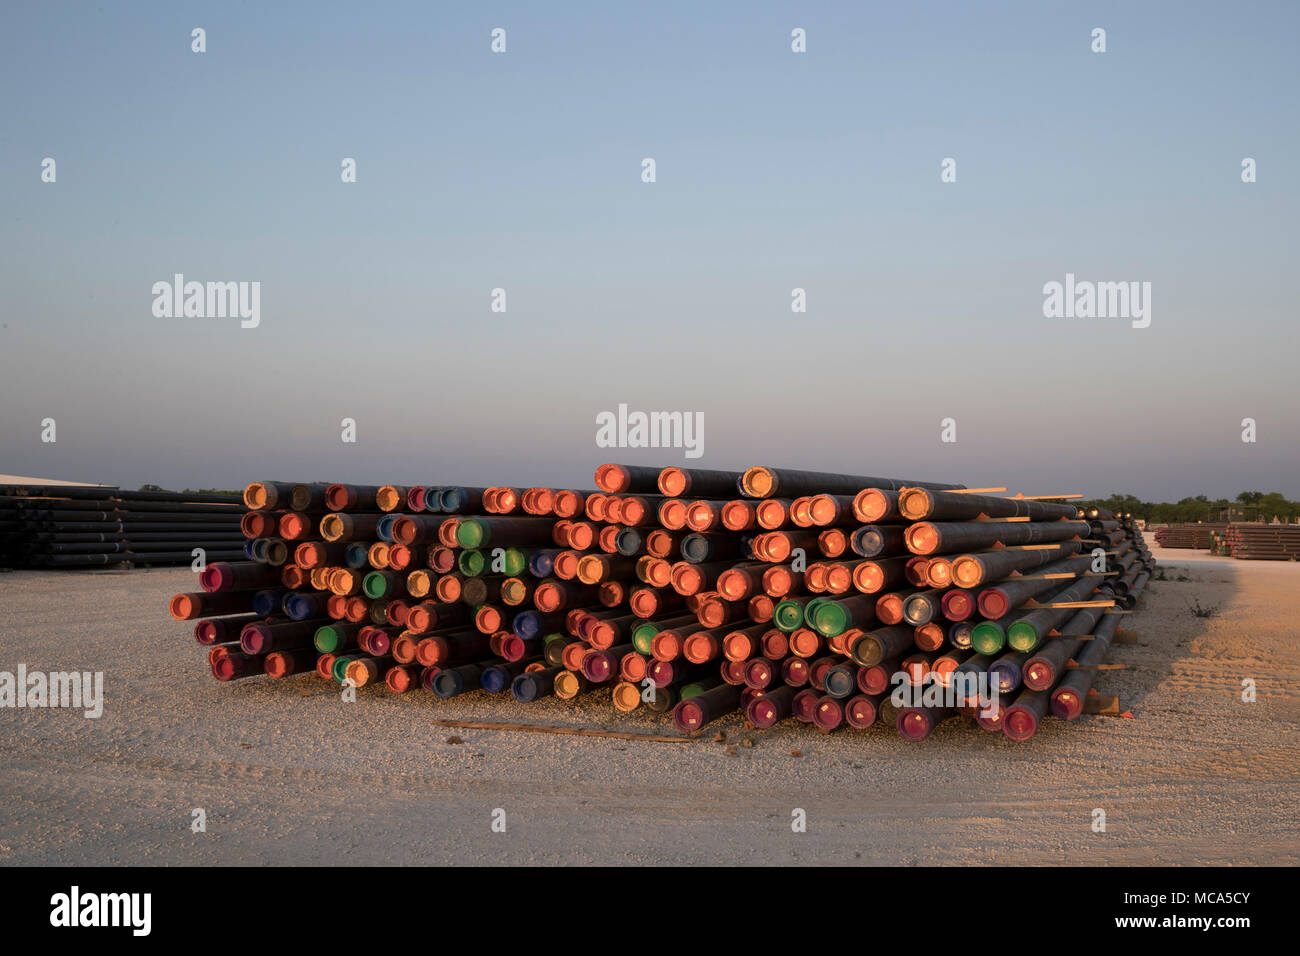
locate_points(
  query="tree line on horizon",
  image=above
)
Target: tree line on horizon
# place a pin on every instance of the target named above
(1247, 506)
(192, 491)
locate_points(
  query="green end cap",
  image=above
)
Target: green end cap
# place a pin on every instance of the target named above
(328, 639)
(788, 615)
(810, 610)
(471, 563)
(339, 670)
(375, 585)
(987, 638)
(689, 691)
(829, 619)
(1022, 636)
(643, 636)
(516, 561)
(471, 533)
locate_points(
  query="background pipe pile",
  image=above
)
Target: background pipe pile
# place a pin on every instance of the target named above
(1198, 536)
(11, 532)
(70, 526)
(695, 594)
(1259, 542)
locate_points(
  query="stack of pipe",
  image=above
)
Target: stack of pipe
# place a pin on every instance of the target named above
(60, 526)
(1261, 542)
(1197, 536)
(12, 534)
(812, 596)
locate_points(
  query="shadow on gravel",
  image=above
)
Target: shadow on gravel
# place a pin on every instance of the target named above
(1181, 605)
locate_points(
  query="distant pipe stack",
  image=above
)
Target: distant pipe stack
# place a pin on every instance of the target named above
(59, 526)
(1258, 542)
(834, 600)
(1198, 536)
(1245, 540)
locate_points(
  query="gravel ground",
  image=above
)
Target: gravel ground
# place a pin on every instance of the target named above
(289, 773)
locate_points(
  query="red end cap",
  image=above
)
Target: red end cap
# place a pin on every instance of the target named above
(914, 724)
(1067, 704)
(666, 646)
(1039, 674)
(547, 597)
(632, 668)
(294, 526)
(929, 637)
(661, 672)
(957, 605)
(869, 578)
(603, 635)
(770, 514)
(922, 539)
(672, 482)
(760, 673)
(712, 613)
(1020, 724)
(939, 573)
(761, 713)
(860, 712)
(566, 504)
(870, 505)
(735, 515)
(829, 714)
(688, 716)
(566, 565)
(873, 680)
(689, 580)
(612, 479)
(822, 510)
(632, 512)
(183, 607)
(597, 667)
(672, 515)
(993, 604)
(700, 648)
(643, 602)
(803, 705)
(216, 577)
(731, 584)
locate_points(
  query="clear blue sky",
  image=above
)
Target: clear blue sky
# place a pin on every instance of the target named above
(775, 170)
